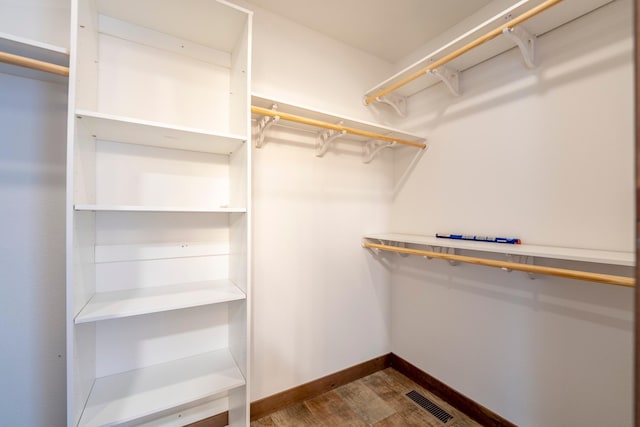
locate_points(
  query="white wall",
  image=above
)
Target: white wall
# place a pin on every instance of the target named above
(319, 304)
(32, 296)
(545, 155)
(305, 67)
(44, 21)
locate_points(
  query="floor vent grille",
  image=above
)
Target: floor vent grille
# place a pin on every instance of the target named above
(429, 406)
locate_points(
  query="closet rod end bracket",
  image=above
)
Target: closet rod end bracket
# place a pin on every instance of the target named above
(264, 123)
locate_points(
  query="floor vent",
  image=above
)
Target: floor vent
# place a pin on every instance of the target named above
(431, 407)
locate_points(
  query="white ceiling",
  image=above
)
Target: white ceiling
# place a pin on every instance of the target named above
(389, 29)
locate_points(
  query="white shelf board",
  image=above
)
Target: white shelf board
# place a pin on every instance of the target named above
(311, 113)
(145, 252)
(139, 208)
(134, 302)
(135, 394)
(21, 46)
(143, 132)
(571, 254)
(546, 21)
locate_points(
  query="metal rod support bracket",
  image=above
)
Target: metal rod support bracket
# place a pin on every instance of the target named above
(525, 41)
(400, 245)
(520, 259)
(325, 138)
(444, 250)
(264, 124)
(450, 77)
(371, 149)
(452, 251)
(395, 101)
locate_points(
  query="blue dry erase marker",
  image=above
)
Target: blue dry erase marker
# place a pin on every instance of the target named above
(508, 240)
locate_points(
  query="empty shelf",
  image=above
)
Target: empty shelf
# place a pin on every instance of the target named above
(133, 302)
(135, 394)
(140, 208)
(134, 131)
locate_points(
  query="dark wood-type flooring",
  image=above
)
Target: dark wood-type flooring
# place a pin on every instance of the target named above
(376, 400)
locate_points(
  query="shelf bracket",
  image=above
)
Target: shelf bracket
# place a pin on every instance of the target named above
(520, 259)
(372, 148)
(450, 77)
(525, 41)
(325, 138)
(444, 250)
(401, 245)
(395, 101)
(264, 124)
(452, 251)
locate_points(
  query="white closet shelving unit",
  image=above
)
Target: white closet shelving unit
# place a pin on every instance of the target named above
(158, 212)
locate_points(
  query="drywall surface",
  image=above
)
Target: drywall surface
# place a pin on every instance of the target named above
(32, 214)
(320, 304)
(44, 21)
(294, 63)
(545, 155)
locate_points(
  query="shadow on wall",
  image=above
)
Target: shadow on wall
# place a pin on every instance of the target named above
(606, 305)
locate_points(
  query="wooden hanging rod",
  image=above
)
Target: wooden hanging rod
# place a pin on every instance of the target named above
(340, 128)
(537, 269)
(34, 64)
(453, 55)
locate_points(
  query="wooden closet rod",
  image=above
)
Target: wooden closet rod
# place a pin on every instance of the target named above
(34, 64)
(326, 125)
(537, 269)
(453, 55)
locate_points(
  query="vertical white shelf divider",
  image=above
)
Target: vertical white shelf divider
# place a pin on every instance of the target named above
(158, 212)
